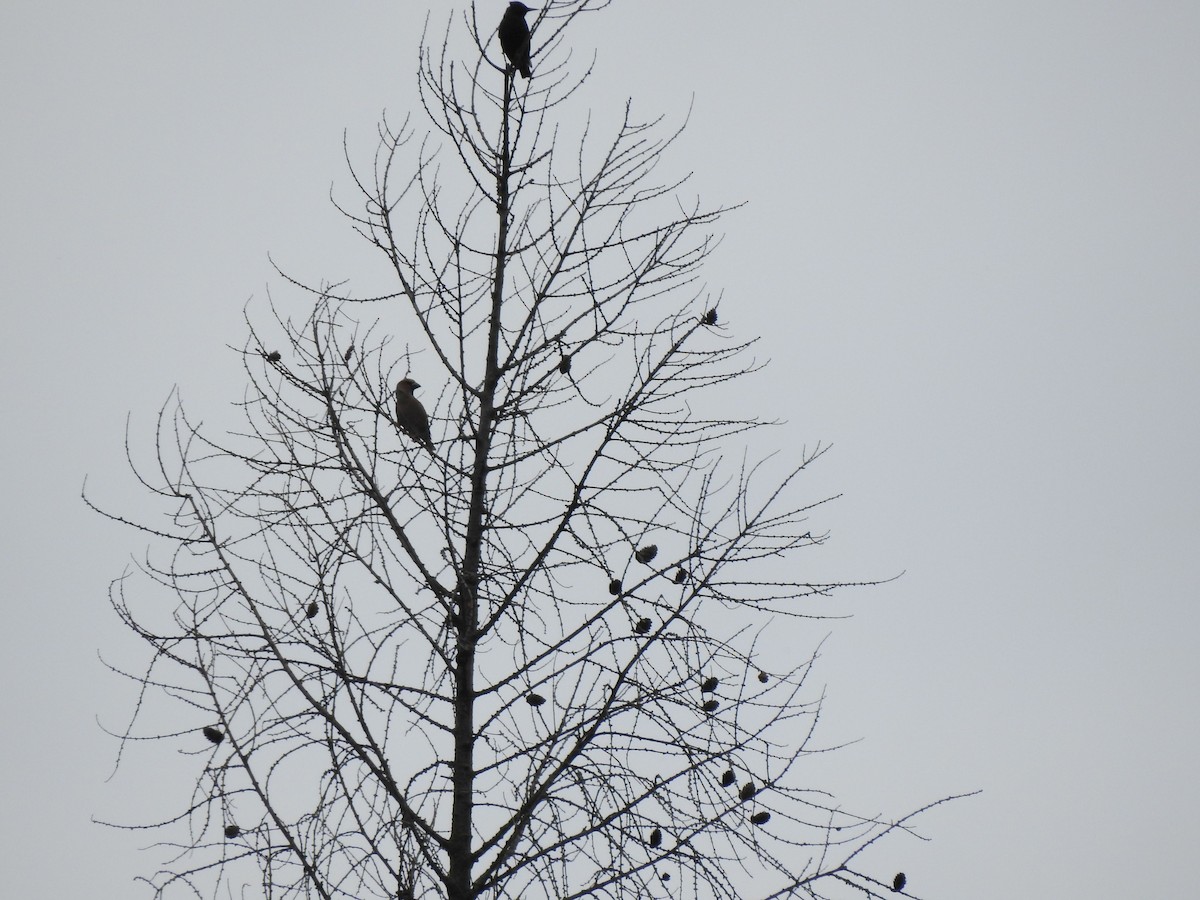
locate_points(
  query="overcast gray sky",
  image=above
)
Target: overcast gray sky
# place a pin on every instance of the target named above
(971, 244)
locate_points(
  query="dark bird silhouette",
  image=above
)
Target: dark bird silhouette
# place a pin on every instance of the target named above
(728, 778)
(216, 735)
(514, 37)
(748, 790)
(232, 831)
(643, 626)
(710, 317)
(564, 367)
(899, 882)
(680, 576)
(647, 553)
(761, 818)
(312, 610)
(710, 706)
(709, 685)
(614, 586)
(274, 356)
(410, 414)
(535, 699)
(762, 676)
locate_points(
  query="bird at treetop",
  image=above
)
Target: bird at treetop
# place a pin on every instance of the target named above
(410, 414)
(647, 553)
(514, 37)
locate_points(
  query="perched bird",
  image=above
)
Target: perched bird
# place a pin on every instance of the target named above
(232, 831)
(762, 676)
(680, 575)
(614, 586)
(643, 626)
(215, 735)
(564, 367)
(410, 414)
(710, 317)
(711, 706)
(761, 818)
(312, 610)
(514, 37)
(709, 684)
(647, 553)
(535, 699)
(748, 790)
(899, 882)
(274, 356)
(728, 778)
(656, 837)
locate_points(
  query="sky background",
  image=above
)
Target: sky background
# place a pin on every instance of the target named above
(971, 244)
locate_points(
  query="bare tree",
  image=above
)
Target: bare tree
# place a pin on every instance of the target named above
(514, 654)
